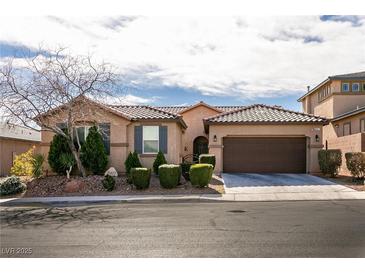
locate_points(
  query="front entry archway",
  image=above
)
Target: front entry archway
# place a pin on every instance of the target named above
(200, 146)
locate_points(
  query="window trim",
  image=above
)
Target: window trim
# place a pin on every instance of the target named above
(362, 119)
(348, 87)
(158, 140)
(359, 87)
(343, 129)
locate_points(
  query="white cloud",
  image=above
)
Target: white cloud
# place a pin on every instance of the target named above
(246, 57)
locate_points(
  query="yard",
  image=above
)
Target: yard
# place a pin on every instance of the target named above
(92, 185)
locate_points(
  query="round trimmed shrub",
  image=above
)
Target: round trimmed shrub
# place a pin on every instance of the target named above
(207, 159)
(108, 183)
(11, 185)
(140, 177)
(169, 175)
(201, 174)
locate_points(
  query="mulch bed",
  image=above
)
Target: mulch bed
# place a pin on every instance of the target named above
(92, 185)
(347, 181)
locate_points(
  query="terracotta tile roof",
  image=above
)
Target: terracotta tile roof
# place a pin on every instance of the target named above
(143, 112)
(178, 109)
(264, 114)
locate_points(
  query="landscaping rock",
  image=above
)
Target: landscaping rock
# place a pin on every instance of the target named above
(111, 172)
(74, 186)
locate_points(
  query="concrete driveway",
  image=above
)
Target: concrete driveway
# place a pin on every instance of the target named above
(253, 183)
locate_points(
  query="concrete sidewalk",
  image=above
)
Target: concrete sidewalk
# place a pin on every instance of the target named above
(295, 196)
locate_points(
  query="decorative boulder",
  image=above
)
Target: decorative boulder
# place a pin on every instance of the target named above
(74, 186)
(111, 172)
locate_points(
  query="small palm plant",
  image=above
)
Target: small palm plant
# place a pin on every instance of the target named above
(37, 163)
(67, 161)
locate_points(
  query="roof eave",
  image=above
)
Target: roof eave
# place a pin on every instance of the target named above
(324, 122)
(314, 89)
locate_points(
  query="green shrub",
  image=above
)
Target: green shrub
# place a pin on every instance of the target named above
(22, 165)
(37, 163)
(108, 183)
(132, 161)
(11, 185)
(160, 160)
(140, 177)
(93, 155)
(330, 161)
(58, 146)
(169, 175)
(201, 174)
(185, 168)
(355, 162)
(207, 159)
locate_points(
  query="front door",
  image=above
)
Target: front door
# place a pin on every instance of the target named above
(200, 146)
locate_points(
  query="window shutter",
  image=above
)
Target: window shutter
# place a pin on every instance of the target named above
(105, 133)
(138, 139)
(163, 139)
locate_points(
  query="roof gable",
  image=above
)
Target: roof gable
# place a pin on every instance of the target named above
(201, 103)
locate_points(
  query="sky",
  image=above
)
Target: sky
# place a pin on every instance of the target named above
(218, 60)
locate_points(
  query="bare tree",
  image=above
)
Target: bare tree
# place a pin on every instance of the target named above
(55, 86)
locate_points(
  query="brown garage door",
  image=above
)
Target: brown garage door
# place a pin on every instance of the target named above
(264, 154)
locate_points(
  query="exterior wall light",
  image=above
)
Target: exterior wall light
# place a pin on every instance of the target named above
(317, 138)
(215, 138)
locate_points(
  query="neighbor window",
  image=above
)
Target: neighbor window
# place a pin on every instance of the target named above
(362, 125)
(355, 87)
(346, 129)
(345, 87)
(150, 139)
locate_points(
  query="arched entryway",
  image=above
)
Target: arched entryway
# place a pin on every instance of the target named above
(200, 146)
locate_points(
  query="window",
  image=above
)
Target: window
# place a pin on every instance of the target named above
(363, 86)
(150, 139)
(346, 129)
(355, 87)
(82, 133)
(345, 87)
(362, 125)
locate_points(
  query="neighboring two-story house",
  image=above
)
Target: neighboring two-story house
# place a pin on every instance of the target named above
(341, 99)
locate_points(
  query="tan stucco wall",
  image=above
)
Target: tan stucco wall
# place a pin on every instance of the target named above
(194, 120)
(349, 143)
(330, 132)
(118, 135)
(9, 148)
(309, 131)
(173, 155)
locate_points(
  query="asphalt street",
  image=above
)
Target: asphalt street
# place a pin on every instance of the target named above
(186, 229)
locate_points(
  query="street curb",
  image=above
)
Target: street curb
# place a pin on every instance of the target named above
(230, 197)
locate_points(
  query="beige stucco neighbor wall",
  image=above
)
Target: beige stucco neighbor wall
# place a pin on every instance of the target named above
(349, 143)
(194, 119)
(9, 148)
(309, 131)
(174, 133)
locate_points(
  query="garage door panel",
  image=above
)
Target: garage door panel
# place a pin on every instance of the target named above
(264, 154)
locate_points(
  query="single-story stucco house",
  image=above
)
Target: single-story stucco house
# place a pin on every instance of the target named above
(256, 138)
